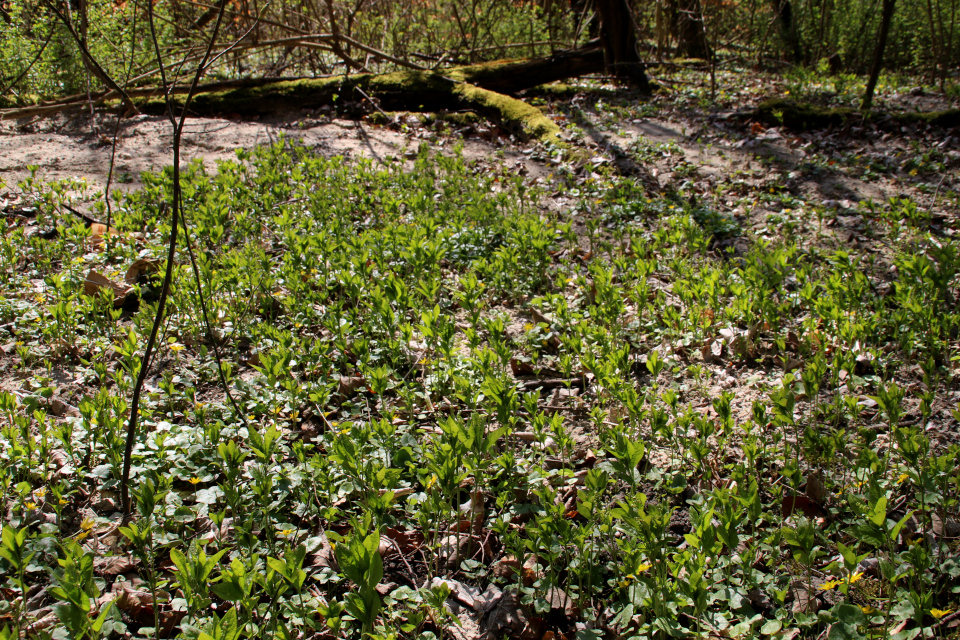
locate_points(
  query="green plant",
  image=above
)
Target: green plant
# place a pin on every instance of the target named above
(359, 559)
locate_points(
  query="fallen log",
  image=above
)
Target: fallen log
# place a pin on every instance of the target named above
(801, 116)
(484, 88)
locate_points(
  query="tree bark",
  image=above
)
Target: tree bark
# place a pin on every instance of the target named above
(619, 40)
(208, 15)
(889, 6)
(690, 31)
(788, 28)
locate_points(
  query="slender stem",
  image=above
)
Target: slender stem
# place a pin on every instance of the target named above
(172, 247)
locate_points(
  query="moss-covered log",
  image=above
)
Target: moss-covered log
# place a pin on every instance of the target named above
(805, 117)
(401, 90)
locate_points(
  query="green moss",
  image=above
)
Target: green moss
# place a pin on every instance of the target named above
(402, 90)
(456, 118)
(477, 72)
(512, 112)
(945, 118)
(803, 116)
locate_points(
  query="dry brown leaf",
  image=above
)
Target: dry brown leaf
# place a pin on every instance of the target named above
(405, 540)
(324, 557)
(98, 231)
(139, 269)
(560, 600)
(507, 618)
(530, 571)
(712, 352)
(59, 408)
(521, 367)
(351, 385)
(804, 598)
(114, 565)
(506, 568)
(803, 504)
(96, 282)
(815, 489)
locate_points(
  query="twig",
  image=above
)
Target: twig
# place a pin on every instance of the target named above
(554, 383)
(376, 106)
(206, 322)
(80, 214)
(85, 54)
(171, 250)
(116, 128)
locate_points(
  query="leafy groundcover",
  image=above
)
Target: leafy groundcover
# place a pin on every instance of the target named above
(456, 412)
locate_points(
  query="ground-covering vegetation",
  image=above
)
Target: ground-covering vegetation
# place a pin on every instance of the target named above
(454, 411)
(680, 364)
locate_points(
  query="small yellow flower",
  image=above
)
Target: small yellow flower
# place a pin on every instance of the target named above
(286, 532)
(432, 481)
(62, 501)
(31, 506)
(856, 577)
(830, 585)
(194, 480)
(644, 568)
(528, 326)
(902, 477)
(939, 613)
(40, 493)
(176, 346)
(867, 609)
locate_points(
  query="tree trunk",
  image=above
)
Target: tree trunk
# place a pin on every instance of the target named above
(788, 29)
(208, 15)
(690, 32)
(619, 40)
(889, 6)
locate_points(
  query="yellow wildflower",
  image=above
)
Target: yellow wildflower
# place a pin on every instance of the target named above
(830, 584)
(939, 613)
(85, 528)
(194, 480)
(855, 577)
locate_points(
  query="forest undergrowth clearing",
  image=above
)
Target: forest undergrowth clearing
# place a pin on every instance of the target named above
(515, 389)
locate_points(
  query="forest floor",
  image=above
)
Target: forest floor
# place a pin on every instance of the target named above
(771, 314)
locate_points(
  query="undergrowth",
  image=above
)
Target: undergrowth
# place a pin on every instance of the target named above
(432, 376)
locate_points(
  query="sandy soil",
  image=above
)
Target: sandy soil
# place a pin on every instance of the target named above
(145, 143)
